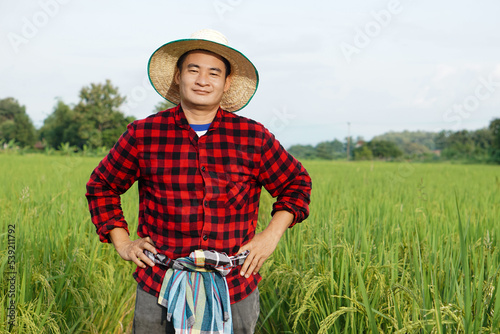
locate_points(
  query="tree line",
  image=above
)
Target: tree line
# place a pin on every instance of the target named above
(481, 146)
(96, 122)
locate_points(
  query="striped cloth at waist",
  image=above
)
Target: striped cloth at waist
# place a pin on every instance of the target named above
(195, 293)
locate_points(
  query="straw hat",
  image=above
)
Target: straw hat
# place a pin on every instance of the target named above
(244, 75)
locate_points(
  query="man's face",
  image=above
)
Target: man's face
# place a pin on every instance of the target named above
(202, 81)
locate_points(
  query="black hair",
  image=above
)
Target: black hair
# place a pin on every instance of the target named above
(181, 59)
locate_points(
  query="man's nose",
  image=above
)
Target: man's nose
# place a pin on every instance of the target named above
(202, 79)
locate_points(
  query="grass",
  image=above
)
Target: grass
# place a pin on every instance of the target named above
(388, 247)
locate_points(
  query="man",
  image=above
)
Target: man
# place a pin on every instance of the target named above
(200, 170)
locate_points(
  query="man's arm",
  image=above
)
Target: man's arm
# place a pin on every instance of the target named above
(285, 178)
(264, 243)
(114, 175)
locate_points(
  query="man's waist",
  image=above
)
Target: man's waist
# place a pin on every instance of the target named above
(150, 280)
(200, 260)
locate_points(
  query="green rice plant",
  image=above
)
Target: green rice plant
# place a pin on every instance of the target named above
(388, 247)
(66, 282)
(404, 233)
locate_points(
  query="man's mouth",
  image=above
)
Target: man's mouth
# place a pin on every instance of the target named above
(201, 92)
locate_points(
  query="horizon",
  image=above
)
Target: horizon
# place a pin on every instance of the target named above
(357, 137)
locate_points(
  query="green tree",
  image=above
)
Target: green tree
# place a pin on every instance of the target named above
(465, 145)
(483, 140)
(405, 138)
(459, 145)
(330, 150)
(15, 124)
(60, 126)
(495, 142)
(97, 113)
(95, 121)
(363, 152)
(303, 151)
(441, 139)
(415, 149)
(384, 149)
(323, 151)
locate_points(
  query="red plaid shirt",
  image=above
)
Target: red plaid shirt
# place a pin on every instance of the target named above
(196, 193)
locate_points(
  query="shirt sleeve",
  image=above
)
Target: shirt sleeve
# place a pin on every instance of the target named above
(284, 176)
(114, 175)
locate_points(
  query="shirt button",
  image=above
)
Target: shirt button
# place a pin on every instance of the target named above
(205, 203)
(202, 168)
(205, 237)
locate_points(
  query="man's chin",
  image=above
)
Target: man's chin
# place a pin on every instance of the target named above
(201, 105)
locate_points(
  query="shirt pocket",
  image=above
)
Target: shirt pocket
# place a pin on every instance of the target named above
(238, 186)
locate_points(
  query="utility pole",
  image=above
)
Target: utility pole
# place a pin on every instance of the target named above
(348, 140)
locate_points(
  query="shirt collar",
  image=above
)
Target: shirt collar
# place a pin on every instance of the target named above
(181, 120)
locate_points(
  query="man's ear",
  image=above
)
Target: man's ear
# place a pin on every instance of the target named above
(227, 84)
(177, 76)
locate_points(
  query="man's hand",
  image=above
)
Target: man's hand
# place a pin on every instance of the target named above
(132, 250)
(264, 243)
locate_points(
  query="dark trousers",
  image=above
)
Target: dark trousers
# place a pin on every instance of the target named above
(148, 314)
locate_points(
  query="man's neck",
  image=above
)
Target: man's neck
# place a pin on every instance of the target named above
(197, 116)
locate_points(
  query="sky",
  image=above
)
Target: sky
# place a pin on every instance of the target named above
(327, 69)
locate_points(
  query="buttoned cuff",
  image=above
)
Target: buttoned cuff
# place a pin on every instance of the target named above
(280, 206)
(105, 228)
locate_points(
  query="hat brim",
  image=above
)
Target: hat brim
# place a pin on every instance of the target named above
(244, 75)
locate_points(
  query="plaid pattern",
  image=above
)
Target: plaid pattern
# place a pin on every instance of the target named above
(196, 192)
